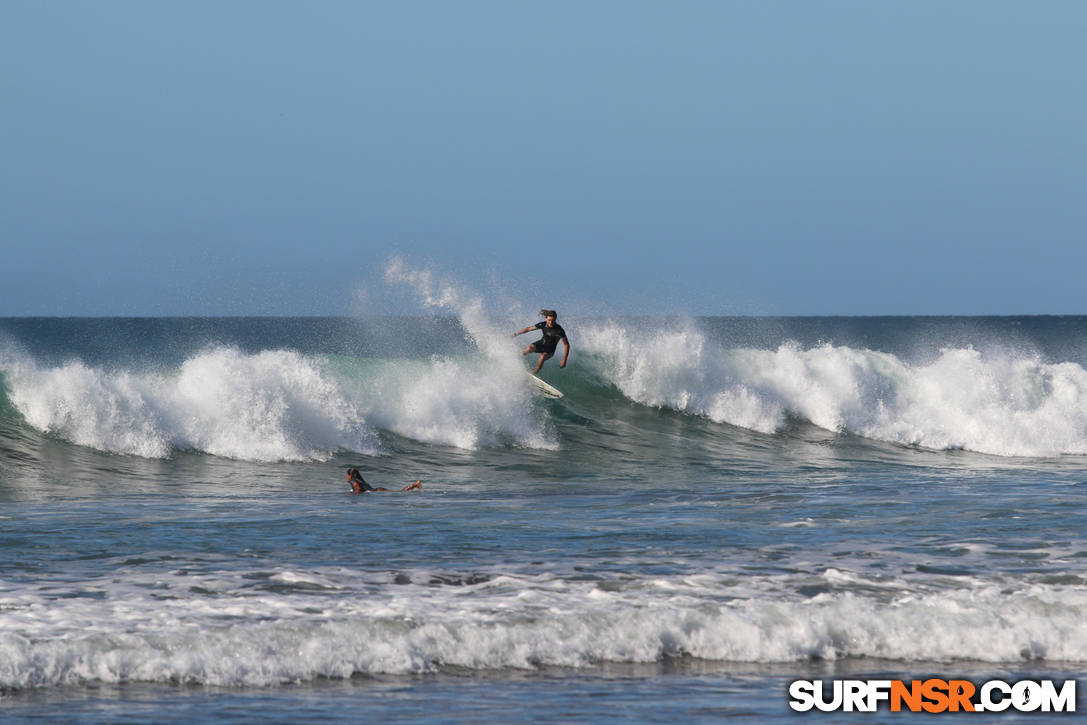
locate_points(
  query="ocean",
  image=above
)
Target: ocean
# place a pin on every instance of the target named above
(717, 507)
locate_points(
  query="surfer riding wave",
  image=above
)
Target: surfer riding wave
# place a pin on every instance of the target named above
(545, 346)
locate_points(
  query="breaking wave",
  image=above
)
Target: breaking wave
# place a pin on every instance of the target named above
(1002, 403)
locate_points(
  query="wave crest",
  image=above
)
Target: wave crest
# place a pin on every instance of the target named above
(1000, 403)
(275, 405)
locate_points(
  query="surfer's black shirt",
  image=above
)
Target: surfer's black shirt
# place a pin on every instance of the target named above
(551, 337)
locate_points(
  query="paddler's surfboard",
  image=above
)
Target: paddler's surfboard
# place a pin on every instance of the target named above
(545, 389)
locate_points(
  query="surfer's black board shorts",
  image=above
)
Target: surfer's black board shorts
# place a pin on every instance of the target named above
(539, 346)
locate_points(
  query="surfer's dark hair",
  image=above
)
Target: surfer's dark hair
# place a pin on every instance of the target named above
(549, 313)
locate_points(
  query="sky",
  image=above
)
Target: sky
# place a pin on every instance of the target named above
(262, 157)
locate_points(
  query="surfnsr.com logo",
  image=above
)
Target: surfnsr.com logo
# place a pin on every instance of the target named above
(933, 695)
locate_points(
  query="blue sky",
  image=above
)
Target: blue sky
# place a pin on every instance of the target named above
(724, 157)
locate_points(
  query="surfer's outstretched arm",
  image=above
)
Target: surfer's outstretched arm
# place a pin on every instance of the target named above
(531, 347)
(565, 354)
(417, 486)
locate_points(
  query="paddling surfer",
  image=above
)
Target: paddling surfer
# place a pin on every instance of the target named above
(358, 483)
(552, 333)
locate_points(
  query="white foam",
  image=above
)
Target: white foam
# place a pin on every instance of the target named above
(159, 630)
(280, 405)
(275, 405)
(469, 403)
(1005, 404)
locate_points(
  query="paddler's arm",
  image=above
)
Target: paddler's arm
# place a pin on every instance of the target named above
(565, 354)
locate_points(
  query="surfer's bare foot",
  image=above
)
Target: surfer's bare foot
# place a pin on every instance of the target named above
(417, 486)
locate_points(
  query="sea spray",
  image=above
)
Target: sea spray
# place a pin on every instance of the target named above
(482, 400)
(440, 294)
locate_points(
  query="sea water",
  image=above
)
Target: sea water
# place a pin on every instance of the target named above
(717, 507)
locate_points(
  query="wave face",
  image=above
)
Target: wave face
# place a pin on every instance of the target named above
(460, 382)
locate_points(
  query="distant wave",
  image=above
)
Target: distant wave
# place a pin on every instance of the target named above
(1004, 404)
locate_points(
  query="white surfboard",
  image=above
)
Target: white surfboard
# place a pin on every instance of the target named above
(545, 389)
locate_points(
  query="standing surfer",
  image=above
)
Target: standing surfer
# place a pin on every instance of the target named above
(552, 333)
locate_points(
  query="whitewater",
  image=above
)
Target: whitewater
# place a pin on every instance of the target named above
(718, 506)
(280, 405)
